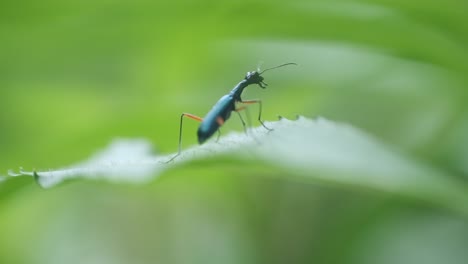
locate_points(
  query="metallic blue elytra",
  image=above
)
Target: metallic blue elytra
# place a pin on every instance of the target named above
(215, 118)
(222, 110)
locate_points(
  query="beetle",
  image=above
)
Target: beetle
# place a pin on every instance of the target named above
(227, 104)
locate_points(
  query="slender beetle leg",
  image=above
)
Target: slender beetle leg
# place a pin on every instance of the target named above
(242, 119)
(219, 135)
(248, 120)
(194, 117)
(259, 112)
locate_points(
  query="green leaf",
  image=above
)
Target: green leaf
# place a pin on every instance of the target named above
(317, 150)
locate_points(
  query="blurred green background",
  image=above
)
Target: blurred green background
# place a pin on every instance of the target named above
(75, 75)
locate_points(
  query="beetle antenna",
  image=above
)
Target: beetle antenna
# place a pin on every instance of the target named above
(282, 65)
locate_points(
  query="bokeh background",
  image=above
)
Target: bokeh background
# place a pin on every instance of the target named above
(75, 75)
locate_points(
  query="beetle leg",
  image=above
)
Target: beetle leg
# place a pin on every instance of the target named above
(259, 102)
(219, 135)
(242, 119)
(194, 117)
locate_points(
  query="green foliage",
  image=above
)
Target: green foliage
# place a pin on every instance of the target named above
(75, 76)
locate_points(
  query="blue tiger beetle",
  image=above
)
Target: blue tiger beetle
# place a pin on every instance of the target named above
(221, 111)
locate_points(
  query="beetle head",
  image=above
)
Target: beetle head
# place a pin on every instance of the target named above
(254, 77)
